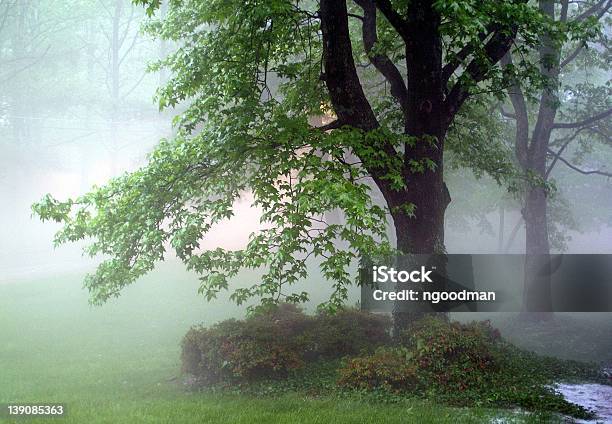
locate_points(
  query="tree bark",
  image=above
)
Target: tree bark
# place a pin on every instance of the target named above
(537, 295)
(425, 118)
(425, 122)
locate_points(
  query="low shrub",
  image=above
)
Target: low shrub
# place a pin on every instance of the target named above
(268, 345)
(446, 355)
(201, 354)
(459, 364)
(455, 354)
(387, 368)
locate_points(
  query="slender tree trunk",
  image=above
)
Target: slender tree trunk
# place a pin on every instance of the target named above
(537, 297)
(114, 87)
(501, 229)
(537, 291)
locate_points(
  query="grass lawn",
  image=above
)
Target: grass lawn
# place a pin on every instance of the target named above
(119, 363)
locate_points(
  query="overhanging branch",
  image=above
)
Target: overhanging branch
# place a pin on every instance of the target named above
(449, 69)
(331, 126)
(597, 7)
(557, 155)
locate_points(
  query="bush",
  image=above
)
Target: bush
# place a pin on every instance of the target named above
(278, 342)
(350, 332)
(449, 355)
(201, 354)
(464, 364)
(271, 345)
(387, 369)
(455, 354)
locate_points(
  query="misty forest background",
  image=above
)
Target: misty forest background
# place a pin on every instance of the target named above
(77, 108)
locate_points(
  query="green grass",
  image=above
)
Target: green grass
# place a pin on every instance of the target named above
(119, 363)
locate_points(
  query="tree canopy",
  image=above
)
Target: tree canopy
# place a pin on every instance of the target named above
(391, 76)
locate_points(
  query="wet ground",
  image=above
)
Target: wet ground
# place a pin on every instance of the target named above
(596, 397)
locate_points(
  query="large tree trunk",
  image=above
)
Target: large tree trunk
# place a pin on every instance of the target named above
(418, 209)
(425, 121)
(423, 232)
(420, 234)
(428, 107)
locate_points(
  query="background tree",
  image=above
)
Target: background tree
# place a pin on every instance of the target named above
(586, 104)
(55, 109)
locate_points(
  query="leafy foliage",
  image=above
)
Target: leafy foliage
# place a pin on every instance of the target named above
(277, 343)
(265, 345)
(454, 354)
(457, 364)
(386, 369)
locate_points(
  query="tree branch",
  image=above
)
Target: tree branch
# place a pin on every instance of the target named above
(593, 9)
(521, 115)
(495, 49)
(604, 135)
(584, 122)
(382, 63)
(394, 18)
(507, 114)
(346, 93)
(14, 73)
(331, 126)
(568, 140)
(575, 168)
(564, 10)
(449, 69)
(572, 55)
